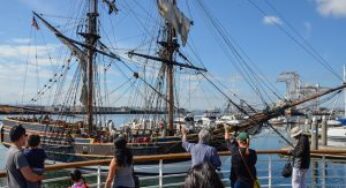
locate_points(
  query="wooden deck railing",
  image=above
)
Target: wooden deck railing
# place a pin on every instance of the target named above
(179, 156)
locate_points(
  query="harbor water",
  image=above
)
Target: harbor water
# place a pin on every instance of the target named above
(333, 170)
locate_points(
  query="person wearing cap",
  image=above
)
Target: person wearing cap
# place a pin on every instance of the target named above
(17, 166)
(301, 158)
(201, 151)
(241, 153)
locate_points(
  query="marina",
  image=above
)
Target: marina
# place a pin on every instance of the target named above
(150, 93)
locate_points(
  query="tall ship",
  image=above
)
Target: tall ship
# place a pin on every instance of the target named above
(67, 138)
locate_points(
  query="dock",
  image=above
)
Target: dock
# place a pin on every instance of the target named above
(319, 139)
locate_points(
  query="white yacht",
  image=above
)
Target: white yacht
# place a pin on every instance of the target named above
(230, 119)
(207, 120)
(337, 133)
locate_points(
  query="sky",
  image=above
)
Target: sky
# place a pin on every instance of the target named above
(262, 28)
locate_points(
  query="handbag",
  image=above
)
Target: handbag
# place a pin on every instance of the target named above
(287, 170)
(256, 183)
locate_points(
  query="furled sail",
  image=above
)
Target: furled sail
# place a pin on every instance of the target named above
(84, 92)
(76, 51)
(111, 6)
(170, 12)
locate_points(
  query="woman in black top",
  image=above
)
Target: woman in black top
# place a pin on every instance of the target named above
(121, 172)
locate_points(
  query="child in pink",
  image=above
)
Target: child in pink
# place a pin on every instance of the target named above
(78, 180)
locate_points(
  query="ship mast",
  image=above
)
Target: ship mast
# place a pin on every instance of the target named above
(91, 38)
(170, 48)
(176, 24)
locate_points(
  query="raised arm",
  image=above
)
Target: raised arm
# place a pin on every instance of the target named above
(183, 134)
(228, 135)
(185, 144)
(112, 170)
(232, 145)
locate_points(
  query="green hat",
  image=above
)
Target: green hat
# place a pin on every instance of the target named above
(242, 136)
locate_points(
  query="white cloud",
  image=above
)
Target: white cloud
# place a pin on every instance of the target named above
(335, 8)
(43, 61)
(21, 51)
(13, 75)
(272, 20)
(18, 62)
(21, 40)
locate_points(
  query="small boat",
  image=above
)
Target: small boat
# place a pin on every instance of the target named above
(230, 119)
(342, 121)
(337, 133)
(208, 120)
(333, 122)
(278, 121)
(187, 121)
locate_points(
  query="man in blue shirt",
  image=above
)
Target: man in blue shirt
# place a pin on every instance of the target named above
(201, 152)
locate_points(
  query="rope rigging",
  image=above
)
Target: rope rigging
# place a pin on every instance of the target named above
(52, 81)
(230, 50)
(304, 45)
(26, 68)
(233, 52)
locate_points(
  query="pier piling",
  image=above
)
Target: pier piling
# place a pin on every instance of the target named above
(307, 125)
(314, 134)
(324, 131)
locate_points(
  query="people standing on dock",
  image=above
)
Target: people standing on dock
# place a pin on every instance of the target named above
(243, 169)
(36, 157)
(202, 175)
(120, 170)
(201, 152)
(17, 166)
(301, 157)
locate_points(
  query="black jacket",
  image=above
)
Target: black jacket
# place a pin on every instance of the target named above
(238, 169)
(301, 153)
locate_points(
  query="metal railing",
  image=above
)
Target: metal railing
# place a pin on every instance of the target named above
(268, 170)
